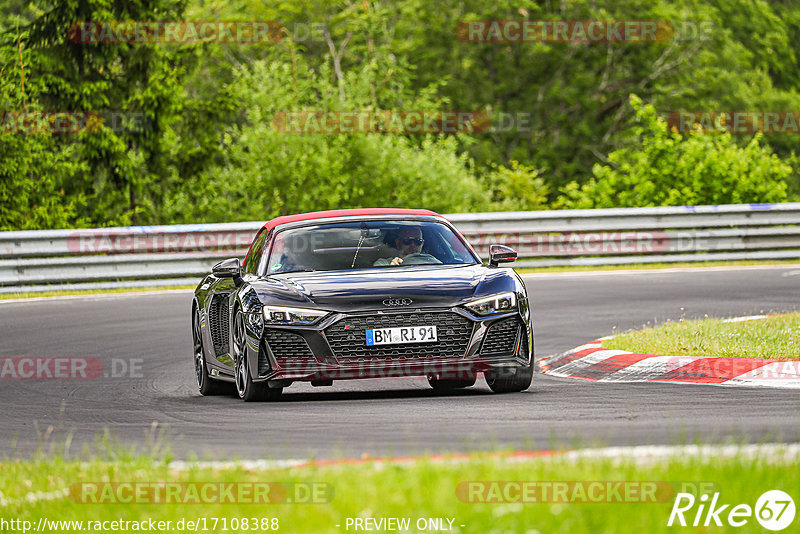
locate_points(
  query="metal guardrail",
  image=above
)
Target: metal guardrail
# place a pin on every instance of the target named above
(181, 254)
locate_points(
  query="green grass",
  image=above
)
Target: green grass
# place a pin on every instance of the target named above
(419, 490)
(62, 293)
(648, 266)
(773, 338)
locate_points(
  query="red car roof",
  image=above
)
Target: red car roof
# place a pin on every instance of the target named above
(345, 213)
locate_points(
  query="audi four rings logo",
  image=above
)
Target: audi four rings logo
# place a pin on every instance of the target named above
(397, 302)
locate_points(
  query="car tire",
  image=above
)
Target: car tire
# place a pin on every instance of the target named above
(207, 385)
(247, 390)
(449, 384)
(501, 380)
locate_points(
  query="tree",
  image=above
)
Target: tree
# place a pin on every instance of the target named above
(267, 172)
(724, 55)
(32, 165)
(125, 170)
(671, 169)
(517, 188)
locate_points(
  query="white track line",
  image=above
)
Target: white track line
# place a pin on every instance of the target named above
(666, 270)
(247, 465)
(580, 364)
(770, 452)
(784, 374)
(743, 319)
(556, 357)
(648, 369)
(97, 296)
(34, 497)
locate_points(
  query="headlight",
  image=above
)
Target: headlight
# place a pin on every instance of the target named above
(281, 315)
(502, 303)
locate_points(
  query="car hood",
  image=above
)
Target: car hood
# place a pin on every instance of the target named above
(367, 289)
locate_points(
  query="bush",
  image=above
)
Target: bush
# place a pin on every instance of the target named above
(266, 172)
(517, 188)
(33, 167)
(671, 169)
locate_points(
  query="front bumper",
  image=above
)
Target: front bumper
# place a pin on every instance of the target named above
(336, 348)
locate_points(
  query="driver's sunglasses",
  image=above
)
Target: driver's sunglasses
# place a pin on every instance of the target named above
(415, 240)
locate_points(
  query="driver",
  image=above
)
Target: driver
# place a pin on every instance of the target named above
(408, 242)
(293, 256)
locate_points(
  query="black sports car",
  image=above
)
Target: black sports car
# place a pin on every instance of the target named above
(369, 293)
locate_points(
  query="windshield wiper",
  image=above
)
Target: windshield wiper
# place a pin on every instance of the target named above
(295, 271)
(364, 233)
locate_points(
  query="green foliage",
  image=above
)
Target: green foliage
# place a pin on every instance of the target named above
(420, 488)
(209, 153)
(726, 54)
(266, 172)
(769, 338)
(33, 166)
(124, 172)
(517, 188)
(30, 197)
(671, 169)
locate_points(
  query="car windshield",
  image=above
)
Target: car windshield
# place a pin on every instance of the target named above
(366, 245)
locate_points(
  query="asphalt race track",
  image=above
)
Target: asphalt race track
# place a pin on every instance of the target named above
(390, 417)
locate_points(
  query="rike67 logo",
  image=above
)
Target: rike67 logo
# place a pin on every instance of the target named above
(774, 510)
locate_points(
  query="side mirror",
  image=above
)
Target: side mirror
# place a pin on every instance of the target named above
(230, 268)
(501, 254)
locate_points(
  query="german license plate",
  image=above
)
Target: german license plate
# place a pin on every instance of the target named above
(401, 335)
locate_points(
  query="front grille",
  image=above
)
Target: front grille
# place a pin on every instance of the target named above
(218, 322)
(347, 337)
(291, 350)
(501, 337)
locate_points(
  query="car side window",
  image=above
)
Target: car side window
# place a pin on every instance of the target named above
(253, 259)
